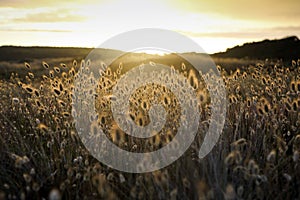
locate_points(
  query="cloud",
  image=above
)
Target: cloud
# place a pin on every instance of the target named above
(34, 30)
(286, 28)
(25, 4)
(250, 33)
(42, 3)
(258, 10)
(61, 15)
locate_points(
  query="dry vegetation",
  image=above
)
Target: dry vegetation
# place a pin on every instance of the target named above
(257, 156)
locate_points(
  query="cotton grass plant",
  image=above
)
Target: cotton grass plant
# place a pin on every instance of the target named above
(257, 156)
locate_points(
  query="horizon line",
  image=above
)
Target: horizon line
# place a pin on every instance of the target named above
(81, 47)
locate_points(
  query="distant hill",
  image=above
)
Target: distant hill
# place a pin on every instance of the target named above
(286, 49)
(21, 54)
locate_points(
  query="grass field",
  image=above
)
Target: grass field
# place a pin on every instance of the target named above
(256, 157)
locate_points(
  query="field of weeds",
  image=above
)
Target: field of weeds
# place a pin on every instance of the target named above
(256, 157)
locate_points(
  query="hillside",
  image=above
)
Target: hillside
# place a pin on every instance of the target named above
(21, 54)
(286, 49)
(12, 58)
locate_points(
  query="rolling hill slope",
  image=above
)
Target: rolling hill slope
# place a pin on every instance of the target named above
(286, 49)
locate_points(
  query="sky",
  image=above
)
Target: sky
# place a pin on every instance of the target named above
(214, 24)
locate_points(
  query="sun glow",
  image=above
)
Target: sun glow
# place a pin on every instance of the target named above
(89, 23)
(152, 51)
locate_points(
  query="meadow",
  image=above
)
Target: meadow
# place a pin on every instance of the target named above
(256, 157)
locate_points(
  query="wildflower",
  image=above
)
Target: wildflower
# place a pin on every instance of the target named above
(229, 192)
(45, 65)
(253, 167)
(240, 190)
(31, 75)
(27, 178)
(35, 187)
(287, 177)
(42, 127)
(240, 142)
(29, 89)
(54, 194)
(121, 178)
(272, 156)
(57, 69)
(15, 100)
(27, 65)
(233, 157)
(64, 65)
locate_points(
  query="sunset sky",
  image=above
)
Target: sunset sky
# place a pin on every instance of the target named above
(213, 24)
